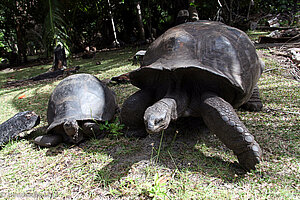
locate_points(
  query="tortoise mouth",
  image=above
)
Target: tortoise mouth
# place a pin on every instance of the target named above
(153, 129)
(77, 138)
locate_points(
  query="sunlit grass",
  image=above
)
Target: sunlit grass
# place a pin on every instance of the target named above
(189, 167)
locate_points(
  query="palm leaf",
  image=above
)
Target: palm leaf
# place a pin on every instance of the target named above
(55, 31)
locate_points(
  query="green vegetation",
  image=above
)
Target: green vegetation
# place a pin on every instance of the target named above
(113, 129)
(32, 27)
(181, 166)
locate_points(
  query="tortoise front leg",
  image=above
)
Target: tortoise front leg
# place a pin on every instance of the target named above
(221, 119)
(92, 130)
(132, 112)
(49, 140)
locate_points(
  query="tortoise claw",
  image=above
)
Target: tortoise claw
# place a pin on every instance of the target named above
(252, 106)
(248, 159)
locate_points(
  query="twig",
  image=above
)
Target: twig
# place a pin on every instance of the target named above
(268, 70)
(283, 111)
(226, 6)
(291, 39)
(294, 44)
(295, 75)
(268, 45)
(278, 53)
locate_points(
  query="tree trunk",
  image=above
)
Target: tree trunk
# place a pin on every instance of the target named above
(150, 22)
(230, 13)
(140, 22)
(20, 42)
(193, 11)
(251, 3)
(20, 17)
(116, 42)
(59, 60)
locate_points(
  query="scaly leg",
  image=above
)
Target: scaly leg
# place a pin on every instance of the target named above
(49, 140)
(92, 129)
(132, 113)
(221, 119)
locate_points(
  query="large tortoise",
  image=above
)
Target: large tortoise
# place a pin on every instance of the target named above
(200, 69)
(75, 108)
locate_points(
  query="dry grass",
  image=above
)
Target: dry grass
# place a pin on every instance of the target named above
(190, 166)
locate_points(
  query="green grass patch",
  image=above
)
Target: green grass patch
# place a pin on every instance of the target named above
(182, 166)
(254, 35)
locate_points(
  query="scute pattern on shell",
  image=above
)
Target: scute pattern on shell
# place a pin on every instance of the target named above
(80, 97)
(224, 53)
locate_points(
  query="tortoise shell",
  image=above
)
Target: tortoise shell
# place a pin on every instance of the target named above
(202, 55)
(80, 97)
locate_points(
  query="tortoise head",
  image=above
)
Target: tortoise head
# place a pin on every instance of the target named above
(156, 121)
(71, 129)
(158, 116)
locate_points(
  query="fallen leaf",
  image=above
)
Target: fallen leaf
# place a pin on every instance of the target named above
(22, 96)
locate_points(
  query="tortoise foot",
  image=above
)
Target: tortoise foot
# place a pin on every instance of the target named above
(48, 140)
(253, 106)
(92, 129)
(248, 159)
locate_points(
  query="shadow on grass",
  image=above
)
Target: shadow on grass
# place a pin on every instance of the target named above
(177, 153)
(109, 60)
(180, 154)
(39, 99)
(37, 102)
(20, 74)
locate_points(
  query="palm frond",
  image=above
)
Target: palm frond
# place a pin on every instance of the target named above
(55, 31)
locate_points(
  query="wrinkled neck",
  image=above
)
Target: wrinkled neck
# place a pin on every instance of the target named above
(170, 104)
(178, 93)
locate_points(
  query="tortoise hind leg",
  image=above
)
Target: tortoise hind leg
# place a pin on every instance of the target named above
(254, 103)
(220, 118)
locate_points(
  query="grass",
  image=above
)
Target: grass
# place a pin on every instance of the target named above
(188, 166)
(254, 35)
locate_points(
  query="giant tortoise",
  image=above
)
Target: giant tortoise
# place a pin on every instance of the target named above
(75, 108)
(199, 69)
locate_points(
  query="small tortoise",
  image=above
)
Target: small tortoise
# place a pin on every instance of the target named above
(76, 106)
(199, 69)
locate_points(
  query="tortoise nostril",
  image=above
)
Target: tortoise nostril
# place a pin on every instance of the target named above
(158, 121)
